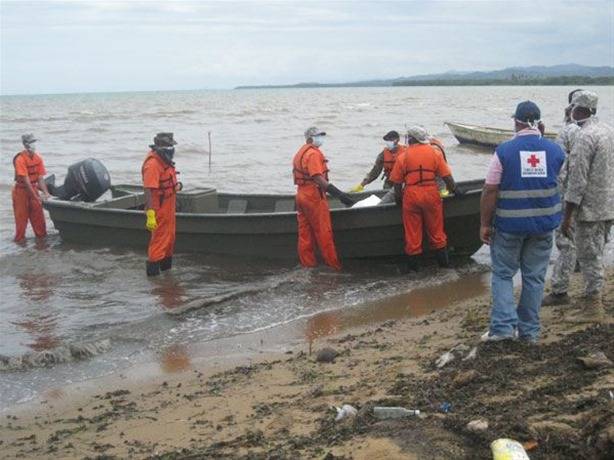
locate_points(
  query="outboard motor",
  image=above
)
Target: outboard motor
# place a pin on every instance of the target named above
(86, 180)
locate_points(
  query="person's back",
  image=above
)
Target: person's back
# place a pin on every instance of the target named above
(593, 152)
(528, 197)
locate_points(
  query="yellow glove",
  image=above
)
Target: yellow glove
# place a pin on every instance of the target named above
(151, 220)
(443, 192)
(358, 188)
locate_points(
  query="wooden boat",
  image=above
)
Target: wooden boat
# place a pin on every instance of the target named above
(257, 225)
(482, 135)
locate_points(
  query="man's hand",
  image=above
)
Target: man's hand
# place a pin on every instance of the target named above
(151, 220)
(486, 234)
(566, 227)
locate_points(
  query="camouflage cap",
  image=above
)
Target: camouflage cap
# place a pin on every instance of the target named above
(586, 99)
(419, 133)
(164, 140)
(28, 138)
(313, 131)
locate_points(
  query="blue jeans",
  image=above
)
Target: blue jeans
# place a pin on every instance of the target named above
(509, 252)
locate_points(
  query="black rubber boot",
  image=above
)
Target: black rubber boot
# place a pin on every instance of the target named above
(412, 264)
(166, 263)
(152, 268)
(443, 260)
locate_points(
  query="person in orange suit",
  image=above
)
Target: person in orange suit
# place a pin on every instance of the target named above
(313, 213)
(414, 175)
(160, 186)
(27, 202)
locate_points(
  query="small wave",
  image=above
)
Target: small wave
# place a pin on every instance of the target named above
(62, 354)
(245, 289)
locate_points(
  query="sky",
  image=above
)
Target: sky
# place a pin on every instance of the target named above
(57, 46)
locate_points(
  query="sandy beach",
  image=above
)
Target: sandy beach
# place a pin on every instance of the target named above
(282, 405)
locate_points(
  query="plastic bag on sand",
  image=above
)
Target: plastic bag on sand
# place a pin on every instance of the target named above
(373, 200)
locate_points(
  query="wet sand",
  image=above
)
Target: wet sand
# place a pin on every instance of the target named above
(266, 395)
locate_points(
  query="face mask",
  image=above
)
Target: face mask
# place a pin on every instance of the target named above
(390, 145)
(31, 147)
(318, 140)
(574, 120)
(170, 151)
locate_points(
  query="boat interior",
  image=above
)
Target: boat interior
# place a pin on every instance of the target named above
(207, 200)
(202, 200)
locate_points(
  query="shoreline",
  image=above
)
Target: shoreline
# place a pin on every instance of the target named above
(264, 400)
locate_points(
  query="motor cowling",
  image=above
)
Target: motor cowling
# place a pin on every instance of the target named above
(86, 180)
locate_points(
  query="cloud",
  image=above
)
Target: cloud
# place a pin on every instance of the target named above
(228, 43)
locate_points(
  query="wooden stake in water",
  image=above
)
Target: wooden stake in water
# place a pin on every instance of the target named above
(209, 136)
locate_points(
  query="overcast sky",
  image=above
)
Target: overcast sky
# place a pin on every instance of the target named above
(55, 46)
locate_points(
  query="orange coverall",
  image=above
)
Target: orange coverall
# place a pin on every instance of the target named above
(25, 206)
(417, 167)
(162, 179)
(313, 212)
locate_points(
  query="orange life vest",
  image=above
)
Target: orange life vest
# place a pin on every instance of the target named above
(389, 159)
(168, 180)
(32, 164)
(420, 165)
(299, 170)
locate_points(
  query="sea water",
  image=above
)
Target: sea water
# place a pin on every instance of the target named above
(57, 295)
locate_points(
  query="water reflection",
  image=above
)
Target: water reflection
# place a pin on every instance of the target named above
(169, 291)
(41, 326)
(174, 359)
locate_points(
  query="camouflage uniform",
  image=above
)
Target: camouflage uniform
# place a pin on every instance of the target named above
(590, 186)
(376, 171)
(566, 261)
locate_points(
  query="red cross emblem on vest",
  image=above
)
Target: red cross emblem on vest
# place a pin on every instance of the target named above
(533, 161)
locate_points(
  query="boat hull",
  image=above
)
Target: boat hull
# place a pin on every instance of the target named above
(483, 136)
(369, 232)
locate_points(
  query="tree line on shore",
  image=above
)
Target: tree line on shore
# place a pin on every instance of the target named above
(514, 80)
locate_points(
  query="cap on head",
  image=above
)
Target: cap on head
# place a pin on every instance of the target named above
(164, 140)
(527, 112)
(586, 99)
(28, 139)
(419, 133)
(570, 95)
(392, 136)
(313, 131)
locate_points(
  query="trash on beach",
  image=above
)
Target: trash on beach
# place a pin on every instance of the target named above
(508, 449)
(472, 354)
(445, 406)
(476, 426)
(373, 200)
(530, 445)
(444, 359)
(345, 411)
(383, 412)
(596, 360)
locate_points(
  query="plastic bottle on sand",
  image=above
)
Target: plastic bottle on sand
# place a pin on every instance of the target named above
(393, 412)
(508, 449)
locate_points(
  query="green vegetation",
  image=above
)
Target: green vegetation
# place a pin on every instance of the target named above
(514, 80)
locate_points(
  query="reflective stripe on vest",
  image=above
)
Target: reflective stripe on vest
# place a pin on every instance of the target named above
(531, 212)
(527, 193)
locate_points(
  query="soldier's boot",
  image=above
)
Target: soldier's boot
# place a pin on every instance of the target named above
(593, 311)
(443, 259)
(166, 263)
(152, 268)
